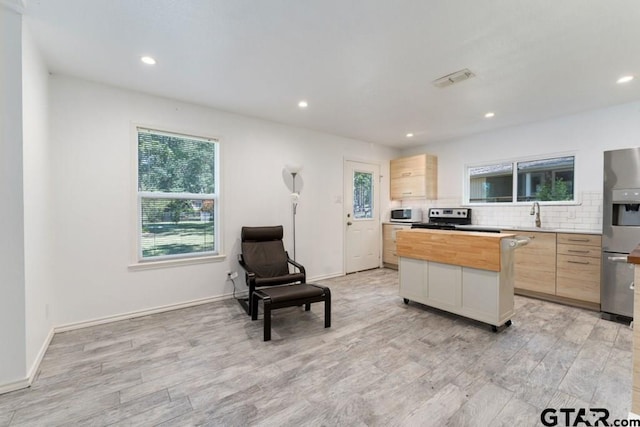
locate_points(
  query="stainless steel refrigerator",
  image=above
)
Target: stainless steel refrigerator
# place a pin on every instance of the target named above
(620, 230)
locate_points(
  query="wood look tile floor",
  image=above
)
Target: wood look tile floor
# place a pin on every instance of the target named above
(381, 363)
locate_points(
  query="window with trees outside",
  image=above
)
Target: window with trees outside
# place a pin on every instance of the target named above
(363, 195)
(545, 179)
(177, 195)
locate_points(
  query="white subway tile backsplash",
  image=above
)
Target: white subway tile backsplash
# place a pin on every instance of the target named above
(586, 216)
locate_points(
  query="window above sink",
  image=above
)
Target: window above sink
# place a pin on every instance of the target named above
(548, 179)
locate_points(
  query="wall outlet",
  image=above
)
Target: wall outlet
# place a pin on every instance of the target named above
(233, 275)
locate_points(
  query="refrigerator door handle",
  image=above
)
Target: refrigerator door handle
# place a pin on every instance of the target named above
(617, 258)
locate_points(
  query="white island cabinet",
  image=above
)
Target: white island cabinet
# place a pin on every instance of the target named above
(465, 273)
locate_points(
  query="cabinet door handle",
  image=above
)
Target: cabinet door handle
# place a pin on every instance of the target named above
(408, 192)
(577, 240)
(578, 262)
(577, 252)
(394, 254)
(406, 174)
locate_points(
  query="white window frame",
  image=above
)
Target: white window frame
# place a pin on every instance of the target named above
(514, 193)
(141, 263)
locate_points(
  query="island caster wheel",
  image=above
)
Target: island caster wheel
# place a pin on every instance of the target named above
(406, 301)
(494, 328)
(509, 323)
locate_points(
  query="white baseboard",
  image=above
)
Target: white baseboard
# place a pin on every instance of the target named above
(14, 385)
(633, 416)
(161, 309)
(324, 277)
(139, 313)
(26, 382)
(36, 363)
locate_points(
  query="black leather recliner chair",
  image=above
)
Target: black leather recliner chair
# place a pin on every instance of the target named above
(268, 276)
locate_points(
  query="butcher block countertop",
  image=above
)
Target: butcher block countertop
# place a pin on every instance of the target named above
(465, 248)
(634, 256)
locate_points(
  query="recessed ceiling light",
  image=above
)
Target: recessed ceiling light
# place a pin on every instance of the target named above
(489, 114)
(625, 79)
(409, 135)
(303, 104)
(148, 60)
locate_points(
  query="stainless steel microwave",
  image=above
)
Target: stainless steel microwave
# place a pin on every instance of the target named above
(406, 215)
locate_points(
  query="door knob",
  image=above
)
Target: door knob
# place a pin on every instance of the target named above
(349, 223)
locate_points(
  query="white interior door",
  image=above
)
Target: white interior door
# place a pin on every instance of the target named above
(361, 216)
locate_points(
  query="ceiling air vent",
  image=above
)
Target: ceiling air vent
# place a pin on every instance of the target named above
(453, 78)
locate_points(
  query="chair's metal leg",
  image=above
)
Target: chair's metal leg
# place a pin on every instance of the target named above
(244, 303)
(252, 289)
(327, 309)
(267, 318)
(254, 307)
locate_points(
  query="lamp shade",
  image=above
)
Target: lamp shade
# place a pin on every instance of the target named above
(293, 169)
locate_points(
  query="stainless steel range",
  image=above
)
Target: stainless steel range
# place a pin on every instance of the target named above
(446, 218)
(620, 230)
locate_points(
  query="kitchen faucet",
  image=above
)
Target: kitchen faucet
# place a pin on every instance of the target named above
(533, 211)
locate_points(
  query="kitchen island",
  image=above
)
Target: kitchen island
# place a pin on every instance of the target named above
(465, 273)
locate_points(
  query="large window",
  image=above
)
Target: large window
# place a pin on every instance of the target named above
(546, 179)
(177, 195)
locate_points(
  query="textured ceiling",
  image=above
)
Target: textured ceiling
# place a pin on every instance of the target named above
(364, 66)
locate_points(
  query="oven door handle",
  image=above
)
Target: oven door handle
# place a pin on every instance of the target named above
(617, 258)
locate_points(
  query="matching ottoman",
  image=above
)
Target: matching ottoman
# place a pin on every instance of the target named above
(288, 296)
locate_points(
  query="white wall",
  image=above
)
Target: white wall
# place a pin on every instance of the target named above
(12, 297)
(37, 199)
(586, 134)
(93, 208)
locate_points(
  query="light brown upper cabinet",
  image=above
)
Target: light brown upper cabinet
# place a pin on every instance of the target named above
(414, 177)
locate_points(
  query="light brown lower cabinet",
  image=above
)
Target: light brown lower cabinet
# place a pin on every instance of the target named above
(535, 264)
(562, 267)
(578, 275)
(389, 255)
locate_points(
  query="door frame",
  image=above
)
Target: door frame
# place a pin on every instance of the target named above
(376, 199)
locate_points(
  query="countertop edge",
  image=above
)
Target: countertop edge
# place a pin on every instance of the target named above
(634, 256)
(553, 230)
(497, 236)
(514, 229)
